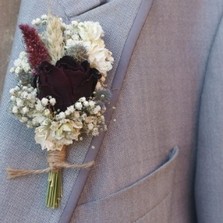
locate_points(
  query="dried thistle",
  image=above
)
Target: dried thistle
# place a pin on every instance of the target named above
(35, 48)
(78, 52)
(54, 36)
(25, 78)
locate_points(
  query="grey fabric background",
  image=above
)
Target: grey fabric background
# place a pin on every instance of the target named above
(209, 177)
(167, 69)
(158, 108)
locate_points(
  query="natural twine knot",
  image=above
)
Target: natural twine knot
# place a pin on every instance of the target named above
(56, 160)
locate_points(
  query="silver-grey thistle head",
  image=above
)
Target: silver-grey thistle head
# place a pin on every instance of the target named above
(78, 52)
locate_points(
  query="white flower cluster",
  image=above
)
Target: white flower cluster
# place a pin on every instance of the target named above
(21, 67)
(68, 126)
(23, 99)
(27, 107)
(54, 130)
(40, 21)
(89, 34)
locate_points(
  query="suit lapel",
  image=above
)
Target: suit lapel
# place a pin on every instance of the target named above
(116, 81)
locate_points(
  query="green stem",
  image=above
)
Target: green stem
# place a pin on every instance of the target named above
(54, 189)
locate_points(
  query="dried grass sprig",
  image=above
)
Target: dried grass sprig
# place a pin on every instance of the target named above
(55, 40)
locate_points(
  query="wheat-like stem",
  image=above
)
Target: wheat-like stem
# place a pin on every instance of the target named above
(54, 36)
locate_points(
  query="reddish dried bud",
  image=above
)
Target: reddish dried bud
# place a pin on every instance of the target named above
(35, 47)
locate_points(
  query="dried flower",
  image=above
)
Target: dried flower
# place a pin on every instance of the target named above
(37, 52)
(54, 36)
(78, 52)
(66, 82)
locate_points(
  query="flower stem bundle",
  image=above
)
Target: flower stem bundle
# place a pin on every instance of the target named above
(56, 159)
(54, 189)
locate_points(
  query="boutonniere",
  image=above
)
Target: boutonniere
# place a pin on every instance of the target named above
(61, 91)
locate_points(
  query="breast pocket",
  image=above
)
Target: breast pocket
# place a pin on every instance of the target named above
(76, 7)
(148, 198)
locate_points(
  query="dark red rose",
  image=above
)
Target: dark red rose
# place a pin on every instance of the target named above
(67, 81)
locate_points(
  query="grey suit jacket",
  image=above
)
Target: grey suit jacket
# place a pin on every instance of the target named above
(146, 161)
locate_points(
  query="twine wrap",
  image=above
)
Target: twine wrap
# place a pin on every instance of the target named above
(56, 160)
